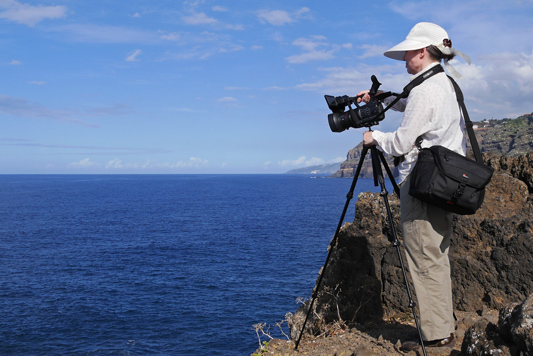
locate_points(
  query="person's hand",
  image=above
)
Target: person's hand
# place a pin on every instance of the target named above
(365, 97)
(368, 139)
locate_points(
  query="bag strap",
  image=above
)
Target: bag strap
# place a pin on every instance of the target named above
(468, 124)
(417, 81)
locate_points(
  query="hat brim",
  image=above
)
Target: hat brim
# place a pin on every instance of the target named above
(398, 52)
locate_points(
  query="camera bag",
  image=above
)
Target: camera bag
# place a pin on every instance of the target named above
(447, 179)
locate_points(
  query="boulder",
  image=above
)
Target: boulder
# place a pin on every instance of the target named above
(513, 335)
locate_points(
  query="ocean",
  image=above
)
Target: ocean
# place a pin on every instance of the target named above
(159, 264)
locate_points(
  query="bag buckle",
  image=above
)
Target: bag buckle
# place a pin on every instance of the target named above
(460, 190)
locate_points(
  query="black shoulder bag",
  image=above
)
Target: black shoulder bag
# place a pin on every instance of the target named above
(447, 179)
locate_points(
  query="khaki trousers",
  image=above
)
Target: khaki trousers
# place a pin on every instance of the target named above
(426, 235)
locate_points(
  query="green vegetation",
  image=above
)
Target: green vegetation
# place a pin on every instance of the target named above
(262, 350)
(509, 137)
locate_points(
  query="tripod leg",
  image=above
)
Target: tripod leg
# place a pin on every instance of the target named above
(389, 173)
(333, 242)
(378, 174)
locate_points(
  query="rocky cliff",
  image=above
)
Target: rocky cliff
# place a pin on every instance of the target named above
(492, 268)
(509, 137)
(492, 254)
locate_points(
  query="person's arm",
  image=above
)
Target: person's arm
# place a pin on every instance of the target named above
(399, 106)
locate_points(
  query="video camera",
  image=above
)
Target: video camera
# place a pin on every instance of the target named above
(366, 115)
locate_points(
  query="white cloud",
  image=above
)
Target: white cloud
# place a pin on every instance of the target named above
(314, 161)
(295, 162)
(193, 162)
(275, 17)
(118, 164)
(193, 3)
(37, 82)
(310, 44)
(114, 164)
(199, 18)
(275, 88)
(310, 56)
(227, 99)
(281, 17)
(106, 34)
(28, 14)
(338, 80)
(302, 161)
(316, 48)
(149, 165)
(230, 47)
(372, 51)
(171, 36)
(338, 159)
(499, 85)
(201, 45)
(15, 62)
(132, 57)
(84, 163)
(302, 12)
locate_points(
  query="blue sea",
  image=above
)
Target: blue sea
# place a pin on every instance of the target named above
(158, 264)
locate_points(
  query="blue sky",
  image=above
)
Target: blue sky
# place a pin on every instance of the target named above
(226, 86)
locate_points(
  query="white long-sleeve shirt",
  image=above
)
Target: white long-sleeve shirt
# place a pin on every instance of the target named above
(430, 110)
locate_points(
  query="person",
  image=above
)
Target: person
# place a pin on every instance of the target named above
(432, 112)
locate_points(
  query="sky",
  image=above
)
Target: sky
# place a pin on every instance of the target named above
(227, 87)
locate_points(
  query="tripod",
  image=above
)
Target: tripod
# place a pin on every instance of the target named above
(378, 179)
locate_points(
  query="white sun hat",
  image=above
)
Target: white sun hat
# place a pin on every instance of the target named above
(424, 34)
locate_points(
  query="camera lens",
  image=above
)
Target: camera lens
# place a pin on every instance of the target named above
(339, 122)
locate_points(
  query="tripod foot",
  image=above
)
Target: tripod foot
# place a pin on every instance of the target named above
(411, 345)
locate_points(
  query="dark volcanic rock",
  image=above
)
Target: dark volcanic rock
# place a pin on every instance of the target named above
(492, 251)
(513, 335)
(520, 167)
(483, 339)
(491, 257)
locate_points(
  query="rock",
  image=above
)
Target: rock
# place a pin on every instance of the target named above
(512, 336)
(491, 258)
(481, 339)
(520, 167)
(517, 325)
